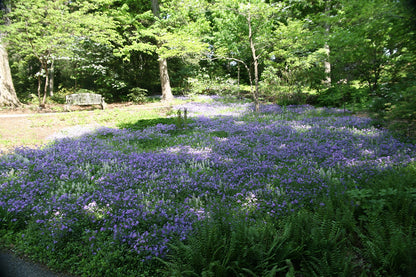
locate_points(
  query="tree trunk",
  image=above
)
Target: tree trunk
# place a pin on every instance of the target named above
(51, 78)
(163, 64)
(39, 87)
(43, 70)
(8, 95)
(327, 63)
(45, 89)
(155, 8)
(256, 64)
(238, 79)
(165, 81)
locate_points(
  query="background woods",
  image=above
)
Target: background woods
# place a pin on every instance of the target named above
(326, 52)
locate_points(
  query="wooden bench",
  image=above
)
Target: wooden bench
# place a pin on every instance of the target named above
(84, 99)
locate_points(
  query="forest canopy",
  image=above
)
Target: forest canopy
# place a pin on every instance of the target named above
(325, 52)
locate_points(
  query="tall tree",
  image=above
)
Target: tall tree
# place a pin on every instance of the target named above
(317, 17)
(163, 63)
(243, 34)
(8, 95)
(327, 62)
(166, 29)
(296, 60)
(46, 30)
(371, 42)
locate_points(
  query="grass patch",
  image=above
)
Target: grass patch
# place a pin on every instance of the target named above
(145, 123)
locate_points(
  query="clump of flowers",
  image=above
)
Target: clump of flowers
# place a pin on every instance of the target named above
(262, 164)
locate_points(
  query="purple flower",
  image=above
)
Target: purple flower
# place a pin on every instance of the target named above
(105, 186)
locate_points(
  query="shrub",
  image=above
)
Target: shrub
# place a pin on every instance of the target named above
(343, 94)
(378, 105)
(60, 96)
(84, 90)
(405, 107)
(204, 84)
(333, 97)
(137, 95)
(285, 98)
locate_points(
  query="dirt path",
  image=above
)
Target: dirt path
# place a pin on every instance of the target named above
(14, 266)
(15, 131)
(31, 128)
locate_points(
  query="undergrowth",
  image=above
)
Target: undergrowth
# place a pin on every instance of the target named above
(364, 232)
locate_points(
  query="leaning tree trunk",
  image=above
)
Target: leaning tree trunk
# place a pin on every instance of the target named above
(163, 64)
(8, 95)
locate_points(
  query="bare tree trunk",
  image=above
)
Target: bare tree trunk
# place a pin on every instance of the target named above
(51, 78)
(238, 79)
(39, 87)
(256, 64)
(155, 8)
(45, 89)
(8, 95)
(238, 76)
(163, 64)
(42, 98)
(327, 63)
(165, 81)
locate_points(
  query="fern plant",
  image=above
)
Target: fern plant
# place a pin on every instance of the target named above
(385, 213)
(228, 245)
(319, 245)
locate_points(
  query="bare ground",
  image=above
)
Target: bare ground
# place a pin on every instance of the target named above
(30, 127)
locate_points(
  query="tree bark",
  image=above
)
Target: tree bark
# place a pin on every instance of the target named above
(45, 89)
(8, 95)
(163, 64)
(51, 79)
(327, 63)
(165, 81)
(155, 8)
(255, 63)
(39, 87)
(43, 70)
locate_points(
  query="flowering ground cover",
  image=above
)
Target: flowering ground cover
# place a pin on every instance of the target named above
(117, 201)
